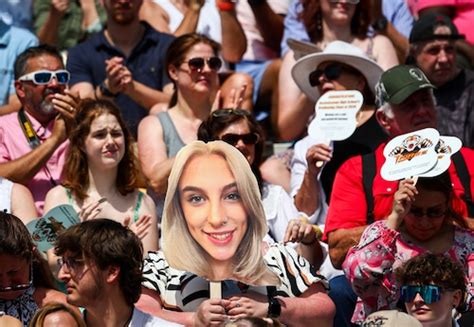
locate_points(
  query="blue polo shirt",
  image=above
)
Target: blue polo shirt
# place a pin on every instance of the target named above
(13, 41)
(86, 62)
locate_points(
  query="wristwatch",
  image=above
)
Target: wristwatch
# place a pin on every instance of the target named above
(274, 308)
(380, 25)
(105, 91)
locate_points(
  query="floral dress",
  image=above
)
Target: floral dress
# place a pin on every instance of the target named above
(370, 265)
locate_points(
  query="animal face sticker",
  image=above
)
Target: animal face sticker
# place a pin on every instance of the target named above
(446, 147)
(410, 154)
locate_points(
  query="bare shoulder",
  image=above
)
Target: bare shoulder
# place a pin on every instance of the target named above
(44, 296)
(149, 125)
(56, 196)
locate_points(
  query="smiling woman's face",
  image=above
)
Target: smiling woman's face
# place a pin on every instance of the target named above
(213, 209)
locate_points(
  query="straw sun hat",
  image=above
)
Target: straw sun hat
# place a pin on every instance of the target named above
(337, 51)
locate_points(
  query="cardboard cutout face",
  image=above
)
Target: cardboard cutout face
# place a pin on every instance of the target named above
(213, 220)
(213, 209)
(336, 115)
(410, 154)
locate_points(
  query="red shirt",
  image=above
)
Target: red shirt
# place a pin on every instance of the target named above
(348, 207)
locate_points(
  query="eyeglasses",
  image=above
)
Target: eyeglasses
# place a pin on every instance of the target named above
(72, 264)
(430, 212)
(19, 287)
(43, 77)
(229, 111)
(214, 63)
(429, 293)
(233, 139)
(331, 71)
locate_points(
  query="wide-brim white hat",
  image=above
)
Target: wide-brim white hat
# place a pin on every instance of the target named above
(338, 51)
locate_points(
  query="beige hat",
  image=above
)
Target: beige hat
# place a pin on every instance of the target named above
(338, 51)
(391, 318)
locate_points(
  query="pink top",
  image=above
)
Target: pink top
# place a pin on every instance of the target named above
(370, 265)
(13, 145)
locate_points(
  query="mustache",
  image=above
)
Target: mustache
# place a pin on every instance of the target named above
(51, 90)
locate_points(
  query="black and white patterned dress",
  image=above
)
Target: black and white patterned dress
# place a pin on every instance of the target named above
(183, 291)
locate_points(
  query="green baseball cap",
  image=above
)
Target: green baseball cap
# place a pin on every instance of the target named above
(398, 83)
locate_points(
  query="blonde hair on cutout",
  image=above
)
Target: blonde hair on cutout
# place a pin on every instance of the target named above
(183, 252)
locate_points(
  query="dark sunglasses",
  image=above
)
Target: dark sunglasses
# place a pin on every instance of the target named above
(43, 77)
(233, 139)
(19, 287)
(214, 63)
(228, 112)
(430, 212)
(429, 293)
(331, 71)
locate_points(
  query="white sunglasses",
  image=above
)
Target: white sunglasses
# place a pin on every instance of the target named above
(43, 77)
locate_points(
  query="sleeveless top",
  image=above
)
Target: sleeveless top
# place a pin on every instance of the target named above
(173, 141)
(23, 307)
(6, 187)
(136, 209)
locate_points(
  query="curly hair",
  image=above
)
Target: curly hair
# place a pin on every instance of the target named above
(311, 16)
(435, 269)
(223, 118)
(75, 173)
(107, 243)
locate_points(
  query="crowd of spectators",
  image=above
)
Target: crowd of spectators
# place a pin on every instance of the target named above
(161, 122)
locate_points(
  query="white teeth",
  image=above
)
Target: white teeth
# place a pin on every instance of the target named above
(220, 237)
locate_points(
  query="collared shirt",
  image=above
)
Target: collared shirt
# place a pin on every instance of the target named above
(86, 63)
(14, 145)
(13, 41)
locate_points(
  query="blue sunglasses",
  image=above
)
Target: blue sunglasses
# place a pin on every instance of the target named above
(429, 293)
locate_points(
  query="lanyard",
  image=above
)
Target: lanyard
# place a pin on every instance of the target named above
(28, 131)
(32, 138)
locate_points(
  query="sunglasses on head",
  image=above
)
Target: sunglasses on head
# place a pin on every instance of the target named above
(233, 139)
(43, 77)
(429, 293)
(430, 212)
(229, 111)
(331, 72)
(214, 63)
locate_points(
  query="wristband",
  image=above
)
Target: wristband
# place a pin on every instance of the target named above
(224, 5)
(105, 91)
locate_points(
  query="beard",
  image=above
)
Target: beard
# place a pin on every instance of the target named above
(47, 108)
